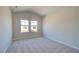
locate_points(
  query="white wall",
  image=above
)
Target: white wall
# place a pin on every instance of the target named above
(5, 28)
(63, 26)
(17, 16)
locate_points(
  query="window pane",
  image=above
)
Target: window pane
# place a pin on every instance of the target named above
(24, 22)
(24, 28)
(33, 22)
(24, 25)
(33, 28)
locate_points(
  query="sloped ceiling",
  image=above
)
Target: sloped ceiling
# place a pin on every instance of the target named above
(41, 10)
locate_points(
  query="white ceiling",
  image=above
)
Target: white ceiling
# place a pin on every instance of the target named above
(41, 10)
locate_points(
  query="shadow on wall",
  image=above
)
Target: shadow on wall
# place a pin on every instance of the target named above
(62, 26)
(5, 28)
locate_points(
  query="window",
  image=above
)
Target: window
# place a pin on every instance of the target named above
(24, 26)
(33, 26)
(27, 25)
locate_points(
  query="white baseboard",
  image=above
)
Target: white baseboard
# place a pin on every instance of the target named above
(8, 47)
(64, 43)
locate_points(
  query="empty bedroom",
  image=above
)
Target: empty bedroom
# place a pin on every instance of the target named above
(39, 29)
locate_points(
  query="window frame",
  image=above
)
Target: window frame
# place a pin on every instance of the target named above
(24, 25)
(34, 25)
(29, 26)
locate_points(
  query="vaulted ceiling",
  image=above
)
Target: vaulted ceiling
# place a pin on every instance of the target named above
(41, 10)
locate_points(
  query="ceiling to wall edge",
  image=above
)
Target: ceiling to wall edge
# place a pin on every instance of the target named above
(40, 11)
(42, 16)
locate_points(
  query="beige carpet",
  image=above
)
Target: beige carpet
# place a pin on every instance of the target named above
(39, 45)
